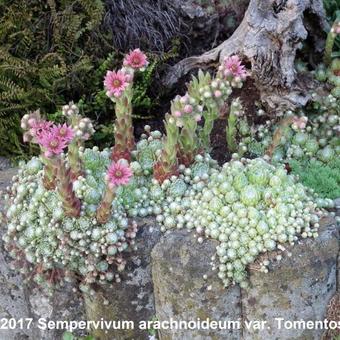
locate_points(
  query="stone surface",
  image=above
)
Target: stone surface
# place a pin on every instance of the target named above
(4, 163)
(297, 287)
(132, 298)
(181, 293)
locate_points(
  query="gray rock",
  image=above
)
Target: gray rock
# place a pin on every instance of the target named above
(64, 304)
(297, 287)
(182, 293)
(132, 298)
(4, 163)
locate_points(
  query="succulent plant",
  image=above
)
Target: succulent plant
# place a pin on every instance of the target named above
(70, 211)
(248, 206)
(206, 97)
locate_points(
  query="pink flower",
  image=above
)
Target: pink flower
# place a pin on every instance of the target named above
(64, 132)
(188, 108)
(299, 122)
(233, 67)
(217, 93)
(119, 173)
(184, 99)
(177, 113)
(116, 82)
(198, 118)
(136, 59)
(52, 143)
(39, 127)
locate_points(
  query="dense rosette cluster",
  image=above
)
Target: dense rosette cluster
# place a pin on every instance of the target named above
(248, 206)
(316, 138)
(42, 239)
(69, 213)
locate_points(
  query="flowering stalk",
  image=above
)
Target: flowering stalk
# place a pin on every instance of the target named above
(188, 146)
(186, 113)
(124, 137)
(118, 87)
(119, 173)
(49, 178)
(210, 115)
(76, 163)
(206, 96)
(34, 126)
(199, 89)
(166, 166)
(71, 204)
(53, 139)
(104, 209)
(83, 129)
(231, 130)
(335, 30)
(297, 123)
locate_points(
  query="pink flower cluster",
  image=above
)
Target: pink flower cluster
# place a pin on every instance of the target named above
(183, 106)
(136, 59)
(52, 138)
(299, 123)
(232, 67)
(119, 173)
(116, 82)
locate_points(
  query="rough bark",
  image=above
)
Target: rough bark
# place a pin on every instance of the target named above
(268, 37)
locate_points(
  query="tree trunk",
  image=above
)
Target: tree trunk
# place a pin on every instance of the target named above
(268, 37)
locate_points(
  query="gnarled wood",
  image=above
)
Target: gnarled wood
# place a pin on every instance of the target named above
(269, 36)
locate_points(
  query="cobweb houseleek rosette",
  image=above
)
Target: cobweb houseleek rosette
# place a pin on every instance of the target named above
(118, 174)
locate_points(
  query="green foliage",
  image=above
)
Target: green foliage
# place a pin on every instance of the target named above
(143, 100)
(140, 98)
(323, 178)
(332, 8)
(48, 51)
